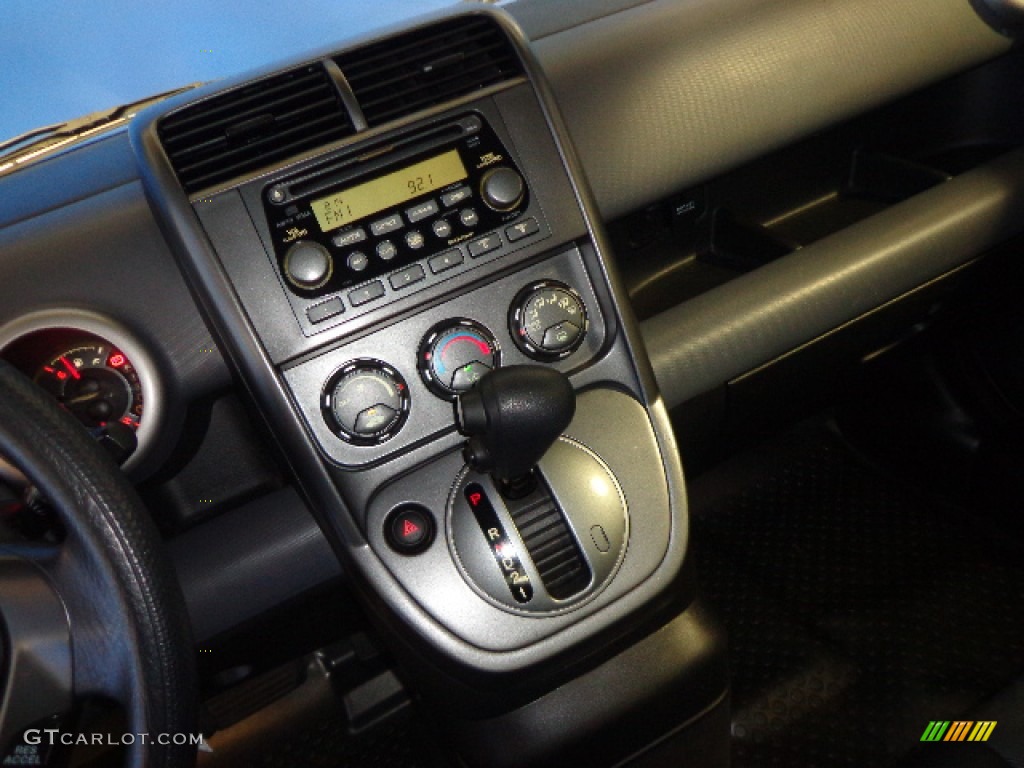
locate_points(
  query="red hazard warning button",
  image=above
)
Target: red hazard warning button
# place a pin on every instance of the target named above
(409, 529)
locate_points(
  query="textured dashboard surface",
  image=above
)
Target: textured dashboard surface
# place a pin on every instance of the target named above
(668, 93)
(749, 321)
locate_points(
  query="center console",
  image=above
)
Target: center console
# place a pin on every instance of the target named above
(397, 251)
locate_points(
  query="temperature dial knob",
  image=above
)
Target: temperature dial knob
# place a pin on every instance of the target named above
(548, 320)
(455, 355)
(502, 189)
(366, 402)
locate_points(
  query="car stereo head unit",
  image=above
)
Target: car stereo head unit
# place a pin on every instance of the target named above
(409, 199)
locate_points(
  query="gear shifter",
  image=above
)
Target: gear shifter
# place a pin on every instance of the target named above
(512, 416)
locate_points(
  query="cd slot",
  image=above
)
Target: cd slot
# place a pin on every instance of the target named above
(378, 157)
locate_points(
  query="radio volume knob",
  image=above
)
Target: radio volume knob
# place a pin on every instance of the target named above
(308, 265)
(502, 189)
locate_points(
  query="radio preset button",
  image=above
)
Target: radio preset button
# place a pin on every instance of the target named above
(484, 244)
(468, 217)
(456, 196)
(369, 292)
(351, 237)
(325, 310)
(358, 261)
(414, 239)
(445, 261)
(522, 229)
(385, 225)
(407, 277)
(308, 265)
(442, 228)
(386, 250)
(421, 211)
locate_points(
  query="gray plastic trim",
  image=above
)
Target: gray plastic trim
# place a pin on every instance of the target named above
(669, 93)
(754, 319)
(250, 560)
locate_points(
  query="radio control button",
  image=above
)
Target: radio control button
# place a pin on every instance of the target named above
(456, 196)
(369, 292)
(502, 189)
(484, 244)
(522, 229)
(407, 277)
(308, 265)
(442, 228)
(421, 211)
(357, 261)
(468, 217)
(385, 225)
(414, 239)
(325, 310)
(349, 237)
(386, 250)
(445, 261)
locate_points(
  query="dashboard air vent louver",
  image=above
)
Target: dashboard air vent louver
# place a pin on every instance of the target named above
(428, 66)
(250, 127)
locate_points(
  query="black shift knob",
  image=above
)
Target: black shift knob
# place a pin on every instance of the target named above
(512, 416)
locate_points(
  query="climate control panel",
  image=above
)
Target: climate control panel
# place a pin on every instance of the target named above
(378, 395)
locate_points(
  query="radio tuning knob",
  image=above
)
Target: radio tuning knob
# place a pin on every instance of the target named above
(502, 189)
(308, 265)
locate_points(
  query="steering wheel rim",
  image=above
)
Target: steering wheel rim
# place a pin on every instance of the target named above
(129, 635)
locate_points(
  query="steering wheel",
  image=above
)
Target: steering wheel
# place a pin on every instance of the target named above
(101, 613)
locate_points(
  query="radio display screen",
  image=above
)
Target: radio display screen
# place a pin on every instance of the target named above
(347, 205)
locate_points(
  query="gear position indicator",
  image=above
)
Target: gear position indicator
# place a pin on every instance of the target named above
(501, 546)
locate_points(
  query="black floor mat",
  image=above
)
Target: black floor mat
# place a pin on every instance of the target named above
(858, 611)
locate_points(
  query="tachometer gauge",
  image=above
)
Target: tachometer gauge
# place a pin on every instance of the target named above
(96, 382)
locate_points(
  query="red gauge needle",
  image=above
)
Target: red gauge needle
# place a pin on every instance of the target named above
(71, 369)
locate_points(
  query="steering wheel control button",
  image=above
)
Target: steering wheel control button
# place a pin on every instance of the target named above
(522, 229)
(349, 237)
(308, 265)
(325, 310)
(502, 189)
(484, 244)
(407, 277)
(505, 553)
(409, 529)
(422, 211)
(548, 320)
(445, 261)
(442, 228)
(366, 402)
(386, 250)
(454, 355)
(469, 217)
(357, 261)
(415, 239)
(385, 225)
(366, 294)
(456, 196)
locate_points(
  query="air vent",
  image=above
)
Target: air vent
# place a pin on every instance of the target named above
(428, 66)
(250, 127)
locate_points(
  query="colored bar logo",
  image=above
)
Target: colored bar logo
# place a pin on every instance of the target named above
(959, 730)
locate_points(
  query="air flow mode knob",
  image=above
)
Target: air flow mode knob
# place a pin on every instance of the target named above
(502, 189)
(548, 320)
